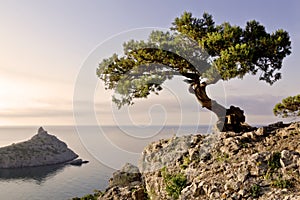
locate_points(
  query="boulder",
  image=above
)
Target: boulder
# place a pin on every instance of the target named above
(128, 175)
(125, 184)
(78, 162)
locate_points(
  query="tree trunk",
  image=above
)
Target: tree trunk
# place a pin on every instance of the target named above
(232, 119)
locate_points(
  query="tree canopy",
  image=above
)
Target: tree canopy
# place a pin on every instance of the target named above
(289, 107)
(197, 49)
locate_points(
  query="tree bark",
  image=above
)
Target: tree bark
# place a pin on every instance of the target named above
(232, 119)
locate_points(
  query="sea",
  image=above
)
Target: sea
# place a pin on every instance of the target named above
(107, 149)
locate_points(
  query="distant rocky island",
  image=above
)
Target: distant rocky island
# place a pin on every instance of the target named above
(41, 149)
(259, 164)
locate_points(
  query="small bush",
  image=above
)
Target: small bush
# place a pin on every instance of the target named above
(222, 157)
(282, 183)
(268, 175)
(94, 196)
(174, 183)
(186, 162)
(274, 161)
(255, 190)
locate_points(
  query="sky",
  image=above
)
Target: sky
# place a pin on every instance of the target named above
(51, 48)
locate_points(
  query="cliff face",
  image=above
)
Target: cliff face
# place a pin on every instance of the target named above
(261, 164)
(41, 149)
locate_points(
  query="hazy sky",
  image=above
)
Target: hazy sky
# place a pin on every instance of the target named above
(46, 44)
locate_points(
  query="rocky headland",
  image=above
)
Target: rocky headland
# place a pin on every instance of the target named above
(41, 149)
(259, 164)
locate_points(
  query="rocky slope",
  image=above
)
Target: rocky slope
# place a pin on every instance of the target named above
(41, 149)
(261, 164)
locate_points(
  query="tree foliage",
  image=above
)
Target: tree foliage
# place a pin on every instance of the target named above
(238, 51)
(289, 107)
(197, 49)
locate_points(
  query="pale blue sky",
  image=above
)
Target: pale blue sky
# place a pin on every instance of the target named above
(45, 43)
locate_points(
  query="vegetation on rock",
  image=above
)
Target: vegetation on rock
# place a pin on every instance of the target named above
(255, 190)
(202, 53)
(93, 196)
(289, 107)
(269, 168)
(174, 183)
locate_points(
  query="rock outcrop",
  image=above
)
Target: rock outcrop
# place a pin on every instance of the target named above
(77, 162)
(126, 184)
(260, 164)
(41, 149)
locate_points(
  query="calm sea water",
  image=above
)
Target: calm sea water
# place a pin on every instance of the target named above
(107, 149)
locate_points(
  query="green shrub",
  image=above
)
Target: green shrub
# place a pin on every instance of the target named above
(274, 161)
(94, 196)
(186, 162)
(282, 183)
(268, 175)
(222, 157)
(255, 190)
(174, 183)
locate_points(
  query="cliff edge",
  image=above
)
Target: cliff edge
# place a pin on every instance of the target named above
(260, 164)
(41, 149)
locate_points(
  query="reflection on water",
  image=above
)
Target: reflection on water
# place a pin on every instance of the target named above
(63, 182)
(37, 174)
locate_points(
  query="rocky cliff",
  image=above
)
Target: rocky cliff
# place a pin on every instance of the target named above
(41, 149)
(260, 164)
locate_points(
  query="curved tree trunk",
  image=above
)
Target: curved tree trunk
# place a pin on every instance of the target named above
(232, 119)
